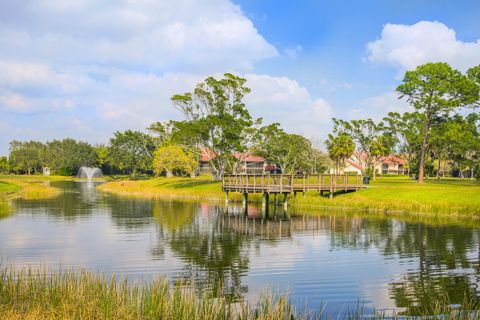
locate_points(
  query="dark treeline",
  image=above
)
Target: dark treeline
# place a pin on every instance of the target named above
(437, 138)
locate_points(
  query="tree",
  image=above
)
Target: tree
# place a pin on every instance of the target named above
(173, 158)
(380, 147)
(27, 156)
(372, 140)
(103, 157)
(131, 151)
(216, 118)
(4, 166)
(65, 157)
(435, 89)
(407, 132)
(290, 152)
(340, 148)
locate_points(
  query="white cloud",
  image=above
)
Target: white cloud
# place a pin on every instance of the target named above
(177, 35)
(379, 106)
(283, 100)
(407, 46)
(84, 69)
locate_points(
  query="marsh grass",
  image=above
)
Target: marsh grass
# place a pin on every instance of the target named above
(38, 294)
(47, 294)
(26, 187)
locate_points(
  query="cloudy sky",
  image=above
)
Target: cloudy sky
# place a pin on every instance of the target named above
(85, 68)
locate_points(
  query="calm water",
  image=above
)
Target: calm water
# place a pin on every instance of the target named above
(333, 259)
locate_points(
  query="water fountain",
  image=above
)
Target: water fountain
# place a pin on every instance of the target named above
(89, 173)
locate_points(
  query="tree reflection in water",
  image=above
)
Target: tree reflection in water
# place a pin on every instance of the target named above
(214, 257)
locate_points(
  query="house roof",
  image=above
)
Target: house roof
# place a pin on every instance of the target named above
(248, 157)
(209, 155)
(393, 159)
(354, 164)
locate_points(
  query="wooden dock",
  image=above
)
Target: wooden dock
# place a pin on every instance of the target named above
(283, 183)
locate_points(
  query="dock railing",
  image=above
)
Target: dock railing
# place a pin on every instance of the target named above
(285, 183)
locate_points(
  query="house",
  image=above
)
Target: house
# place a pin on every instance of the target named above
(247, 163)
(387, 165)
(391, 165)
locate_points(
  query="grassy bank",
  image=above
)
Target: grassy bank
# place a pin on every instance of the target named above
(26, 187)
(396, 195)
(37, 294)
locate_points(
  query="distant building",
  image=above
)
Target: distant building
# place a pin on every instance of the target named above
(46, 171)
(247, 163)
(387, 165)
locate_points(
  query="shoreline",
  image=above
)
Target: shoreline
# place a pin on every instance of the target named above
(25, 187)
(401, 197)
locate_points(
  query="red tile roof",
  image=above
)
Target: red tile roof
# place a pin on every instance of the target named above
(209, 155)
(248, 157)
(393, 159)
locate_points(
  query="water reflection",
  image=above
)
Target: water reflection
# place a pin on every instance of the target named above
(338, 259)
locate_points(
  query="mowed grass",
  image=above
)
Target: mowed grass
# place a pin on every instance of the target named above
(393, 194)
(453, 197)
(198, 188)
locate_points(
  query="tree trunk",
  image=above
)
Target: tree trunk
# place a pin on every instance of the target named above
(438, 170)
(168, 173)
(471, 173)
(374, 174)
(426, 127)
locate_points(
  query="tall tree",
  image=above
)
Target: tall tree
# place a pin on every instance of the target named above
(435, 89)
(290, 152)
(173, 158)
(216, 118)
(131, 151)
(27, 156)
(340, 148)
(372, 140)
(66, 156)
(406, 128)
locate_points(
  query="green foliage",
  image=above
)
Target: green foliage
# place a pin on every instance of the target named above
(435, 89)
(173, 158)
(4, 165)
(65, 157)
(26, 157)
(216, 119)
(373, 140)
(290, 152)
(340, 148)
(406, 129)
(131, 151)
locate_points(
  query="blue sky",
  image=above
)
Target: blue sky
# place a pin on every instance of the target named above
(83, 69)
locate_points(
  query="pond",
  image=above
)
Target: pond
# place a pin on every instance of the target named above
(331, 260)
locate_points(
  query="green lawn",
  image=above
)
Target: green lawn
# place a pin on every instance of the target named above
(7, 188)
(27, 187)
(453, 197)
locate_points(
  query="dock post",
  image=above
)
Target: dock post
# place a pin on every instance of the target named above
(285, 200)
(265, 204)
(226, 198)
(245, 203)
